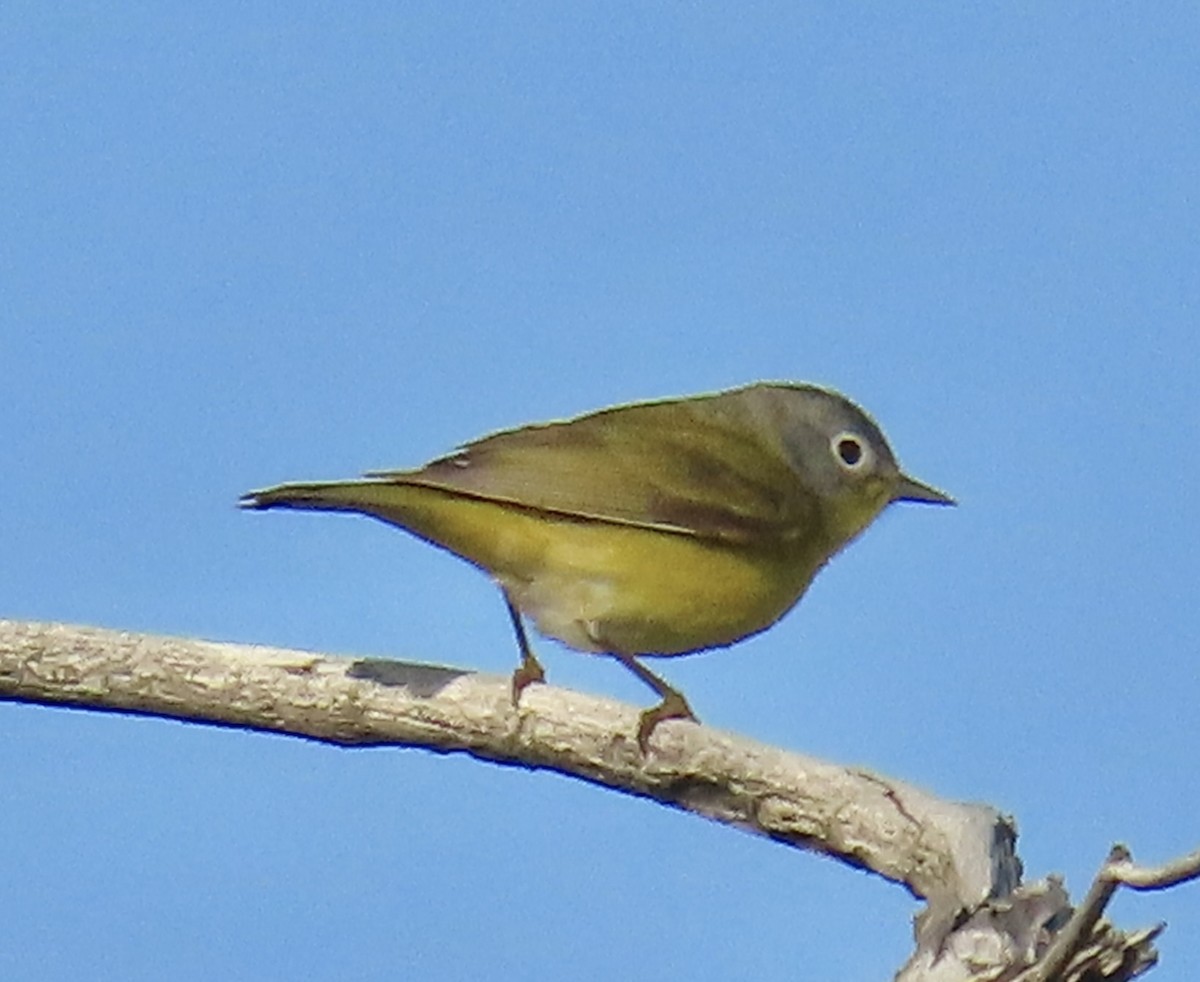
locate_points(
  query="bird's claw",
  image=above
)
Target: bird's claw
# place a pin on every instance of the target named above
(673, 706)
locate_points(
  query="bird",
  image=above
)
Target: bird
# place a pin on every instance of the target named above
(647, 529)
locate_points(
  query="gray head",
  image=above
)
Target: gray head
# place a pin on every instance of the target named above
(835, 447)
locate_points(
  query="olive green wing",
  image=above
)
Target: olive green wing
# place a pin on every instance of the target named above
(677, 466)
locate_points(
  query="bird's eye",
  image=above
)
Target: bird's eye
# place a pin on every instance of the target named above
(850, 451)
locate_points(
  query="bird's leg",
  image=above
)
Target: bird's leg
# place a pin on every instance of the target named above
(530, 670)
(673, 705)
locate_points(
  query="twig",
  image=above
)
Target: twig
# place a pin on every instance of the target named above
(1118, 870)
(1170, 874)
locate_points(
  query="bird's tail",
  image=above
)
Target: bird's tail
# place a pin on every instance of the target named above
(486, 533)
(372, 497)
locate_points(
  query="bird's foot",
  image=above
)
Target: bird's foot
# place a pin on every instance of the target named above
(529, 671)
(673, 706)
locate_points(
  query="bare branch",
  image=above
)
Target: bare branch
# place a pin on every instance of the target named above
(955, 851)
(1170, 874)
(980, 921)
(1072, 943)
(1079, 928)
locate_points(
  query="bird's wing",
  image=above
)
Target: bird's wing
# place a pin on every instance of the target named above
(657, 465)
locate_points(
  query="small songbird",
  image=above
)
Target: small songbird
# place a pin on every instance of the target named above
(649, 529)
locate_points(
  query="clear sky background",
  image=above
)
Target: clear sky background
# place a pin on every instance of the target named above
(241, 244)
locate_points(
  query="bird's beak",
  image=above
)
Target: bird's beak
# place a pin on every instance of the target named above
(910, 489)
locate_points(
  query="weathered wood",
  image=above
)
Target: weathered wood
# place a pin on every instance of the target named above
(980, 921)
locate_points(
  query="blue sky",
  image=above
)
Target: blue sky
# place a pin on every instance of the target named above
(251, 243)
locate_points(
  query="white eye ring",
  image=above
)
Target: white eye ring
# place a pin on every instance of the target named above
(850, 451)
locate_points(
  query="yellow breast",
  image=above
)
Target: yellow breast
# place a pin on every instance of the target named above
(601, 586)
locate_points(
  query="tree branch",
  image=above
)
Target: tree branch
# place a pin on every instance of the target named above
(958, 857)
(1118, 870)
(1182, 870)
(899, 832)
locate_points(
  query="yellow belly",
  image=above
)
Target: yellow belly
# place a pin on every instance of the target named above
(600, 586)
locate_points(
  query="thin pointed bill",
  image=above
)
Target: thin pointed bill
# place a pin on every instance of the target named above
(910, 489)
